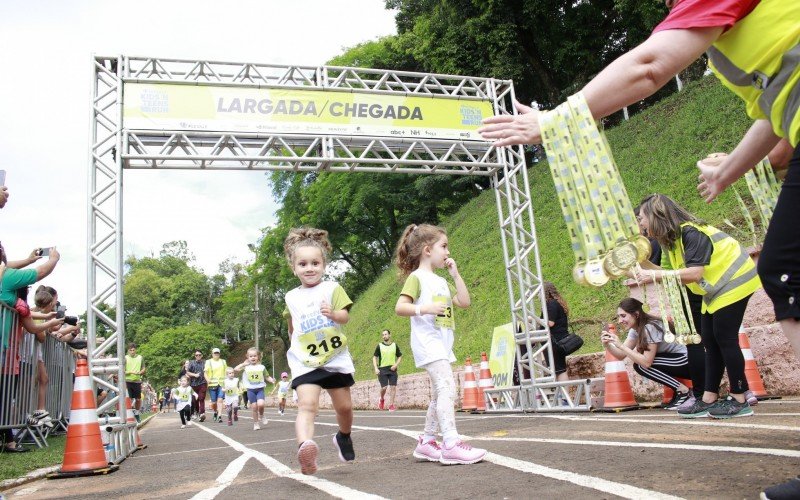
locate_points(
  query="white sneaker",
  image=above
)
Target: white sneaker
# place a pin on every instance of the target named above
(189, 423)
(256, 426)
(183, 426)
(264, 421)
(461, 453)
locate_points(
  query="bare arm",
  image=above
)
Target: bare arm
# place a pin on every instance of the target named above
(45, 269)
(686, 275)
(19, 264)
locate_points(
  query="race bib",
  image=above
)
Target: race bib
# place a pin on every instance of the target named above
(184, 396)
(231, 391)
(444, 320)
(255, 377)
(319, 346)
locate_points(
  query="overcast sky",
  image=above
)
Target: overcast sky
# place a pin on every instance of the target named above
(44, 130)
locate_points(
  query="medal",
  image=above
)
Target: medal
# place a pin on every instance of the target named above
(643, 248)
(624, 255)
(595, 274)
(611, 268)
(696, 338)
(670, 337)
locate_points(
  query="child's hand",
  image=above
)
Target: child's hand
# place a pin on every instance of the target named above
(450, 264)
(435, 308)
(326, 310)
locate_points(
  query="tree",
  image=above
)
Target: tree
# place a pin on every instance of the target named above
(166, 350)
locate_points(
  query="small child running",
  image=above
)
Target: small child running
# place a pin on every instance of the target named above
(318, 357)
(283, 392)
(231, 388)
(254, 377)
(183, 395)
(426, 298)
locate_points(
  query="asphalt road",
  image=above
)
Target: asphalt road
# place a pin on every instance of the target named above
(639, 454)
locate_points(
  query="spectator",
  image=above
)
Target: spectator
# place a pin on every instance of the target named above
(134, 369)
(197, 381)
(558, 321)
(385, 360)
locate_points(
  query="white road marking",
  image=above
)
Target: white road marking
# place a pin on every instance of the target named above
(682, 421)
(225, 479)
(592, 482)
(281, 470)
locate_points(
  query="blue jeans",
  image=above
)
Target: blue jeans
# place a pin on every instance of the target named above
(216, 393)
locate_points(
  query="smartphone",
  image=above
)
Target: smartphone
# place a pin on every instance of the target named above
(2, 177)
(45, 251)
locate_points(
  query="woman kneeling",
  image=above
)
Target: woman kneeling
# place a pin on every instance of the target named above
(653, 358)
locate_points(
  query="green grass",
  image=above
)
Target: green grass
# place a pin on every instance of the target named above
(13, 465)
(656, 151)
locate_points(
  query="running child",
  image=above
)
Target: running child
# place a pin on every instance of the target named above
(426, 299)
(231, 388)
(283, 392)
(183, 395)
(254, 377)
(318, 356)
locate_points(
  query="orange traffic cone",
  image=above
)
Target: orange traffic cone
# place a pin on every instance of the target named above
(618, 393)
(484, 382)
(668, 392)
(83, 454)
(750, 367)
(131, 419)
(469, 399)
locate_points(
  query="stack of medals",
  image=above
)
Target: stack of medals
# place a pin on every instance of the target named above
(597, 211)
(673, 293)
(764, 188)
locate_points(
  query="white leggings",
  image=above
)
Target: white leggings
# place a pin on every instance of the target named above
(441, 415)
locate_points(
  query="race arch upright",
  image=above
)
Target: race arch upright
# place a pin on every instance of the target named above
(157, 113)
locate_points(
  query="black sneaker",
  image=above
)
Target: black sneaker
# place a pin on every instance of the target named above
(730, 408)
(678, 398)
(344, 445)
(697, 410)
(790, 490)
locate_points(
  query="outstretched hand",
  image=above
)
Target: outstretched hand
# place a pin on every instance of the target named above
(509, 130)
(711, 184)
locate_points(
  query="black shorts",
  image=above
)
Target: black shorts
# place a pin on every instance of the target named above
(324, 379)
(387, 376)
(559, 360)
(134, 389)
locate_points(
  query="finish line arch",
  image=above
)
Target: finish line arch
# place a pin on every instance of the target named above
(155, 113)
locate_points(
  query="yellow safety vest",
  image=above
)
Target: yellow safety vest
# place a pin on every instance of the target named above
(758, 60)
(133, 365)
(215, 372)
(729, 277)
(388, 354)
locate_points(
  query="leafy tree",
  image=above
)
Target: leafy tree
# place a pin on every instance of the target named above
(166, 350)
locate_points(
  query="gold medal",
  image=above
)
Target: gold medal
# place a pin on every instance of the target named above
(645, 306)
(579, 274)
(670, 337)
(696, 338)
(624, 255)
(611, 268)
(595, 274)
(643, 248)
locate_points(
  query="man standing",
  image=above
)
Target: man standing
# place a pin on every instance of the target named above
(134, 369)
(215, 375)
(197, 381)
(386, 359)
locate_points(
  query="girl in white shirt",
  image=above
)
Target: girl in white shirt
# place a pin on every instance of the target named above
(426, 298)
(318, 357)
(254, 380)
(183, 395)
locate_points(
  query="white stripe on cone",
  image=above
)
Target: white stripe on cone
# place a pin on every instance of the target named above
(82, 384)
(87, 416)
(485, 382)
(615, 366)
(748, 355)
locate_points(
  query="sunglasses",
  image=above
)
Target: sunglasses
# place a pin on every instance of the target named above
(198, 354)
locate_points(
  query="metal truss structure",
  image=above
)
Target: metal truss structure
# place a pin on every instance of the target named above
(114, 148)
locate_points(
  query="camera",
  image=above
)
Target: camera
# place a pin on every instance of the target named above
(61, 313)
(71, 320)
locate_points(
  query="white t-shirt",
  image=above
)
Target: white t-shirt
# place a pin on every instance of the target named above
(431, 335)
(253, 376)
(317, 342)
(231, 388)
(183, 396)
(283, 388)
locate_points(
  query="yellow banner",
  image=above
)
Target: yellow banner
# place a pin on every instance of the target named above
(165, 106)
(502, 356)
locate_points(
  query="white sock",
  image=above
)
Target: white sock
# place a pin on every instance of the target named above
(427, 438)
(450, 438)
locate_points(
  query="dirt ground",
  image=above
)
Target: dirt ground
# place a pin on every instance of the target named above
(639, 454)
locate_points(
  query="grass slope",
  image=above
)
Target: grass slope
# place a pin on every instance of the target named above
(656, 151)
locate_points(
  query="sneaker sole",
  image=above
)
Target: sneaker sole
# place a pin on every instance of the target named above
(693, 415)
(420, 456)
(725, 417)
(451, 461)
(307, 456)
(339, 451)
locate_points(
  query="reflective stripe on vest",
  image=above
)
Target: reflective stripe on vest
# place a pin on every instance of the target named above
(770, 86)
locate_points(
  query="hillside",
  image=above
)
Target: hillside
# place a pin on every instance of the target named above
(656, 151)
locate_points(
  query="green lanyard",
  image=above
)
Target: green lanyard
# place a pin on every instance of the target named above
(660, 295)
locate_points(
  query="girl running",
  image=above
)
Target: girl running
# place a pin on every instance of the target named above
(254, 377)
(426, 298)
(653, 358)
(318, 356)
(231, 388)
(183, 395)
(283, 392)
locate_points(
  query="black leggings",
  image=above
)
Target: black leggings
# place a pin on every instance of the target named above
(666, 367)
(720, 333)
(779, 263)
(696, 352)
(185, 414)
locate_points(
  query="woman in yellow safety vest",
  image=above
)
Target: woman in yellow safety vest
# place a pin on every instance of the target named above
(718, 268)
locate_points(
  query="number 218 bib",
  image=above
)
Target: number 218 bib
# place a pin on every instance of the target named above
(319, 346)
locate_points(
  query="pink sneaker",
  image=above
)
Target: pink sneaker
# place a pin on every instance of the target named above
(392, 408)
(461, 453)
(307, 456)
(429, 451)
(380, 404)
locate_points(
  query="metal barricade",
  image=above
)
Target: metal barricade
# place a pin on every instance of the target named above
(20, 354)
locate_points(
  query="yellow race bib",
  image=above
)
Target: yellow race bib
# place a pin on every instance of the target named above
(444, 320)
(231, 392)
(255, 377)
(319, 346)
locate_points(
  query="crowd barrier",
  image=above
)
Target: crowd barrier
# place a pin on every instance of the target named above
(19, 389)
